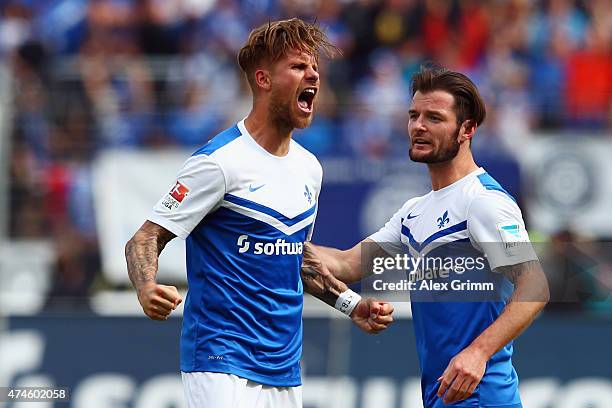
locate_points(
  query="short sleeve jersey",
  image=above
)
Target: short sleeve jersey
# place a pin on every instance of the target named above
(245, 215)
(477, 213)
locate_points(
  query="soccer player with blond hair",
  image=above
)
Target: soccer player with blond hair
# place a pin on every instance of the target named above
(246, 203)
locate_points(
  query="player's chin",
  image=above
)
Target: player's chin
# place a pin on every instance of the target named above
(421, 157)
(302, 122)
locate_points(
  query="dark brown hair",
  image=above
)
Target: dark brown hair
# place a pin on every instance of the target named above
(272, 41)
(468, 102)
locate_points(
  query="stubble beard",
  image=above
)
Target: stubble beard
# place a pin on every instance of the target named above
(284, 117)
(446, 152)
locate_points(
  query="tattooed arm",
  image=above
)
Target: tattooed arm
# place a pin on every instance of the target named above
(319, 282)
(369, 315)
(530, 295)
(142, 253)
(528, 299)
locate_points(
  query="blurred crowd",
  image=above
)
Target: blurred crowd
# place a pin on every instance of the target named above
(97, 74)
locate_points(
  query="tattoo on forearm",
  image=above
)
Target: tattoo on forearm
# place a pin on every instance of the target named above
(142, 253)
(322, 286)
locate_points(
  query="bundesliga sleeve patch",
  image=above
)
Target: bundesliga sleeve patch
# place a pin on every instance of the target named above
(514, 237)
(176, 196)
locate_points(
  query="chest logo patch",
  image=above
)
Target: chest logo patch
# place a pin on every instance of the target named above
(253, 189)
(443, 220)
(307, 194)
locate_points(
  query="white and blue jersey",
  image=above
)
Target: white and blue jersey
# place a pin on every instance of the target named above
(478, 215)
(245, 215)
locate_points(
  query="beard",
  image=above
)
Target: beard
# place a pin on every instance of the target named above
(283, 112)
(446, 151)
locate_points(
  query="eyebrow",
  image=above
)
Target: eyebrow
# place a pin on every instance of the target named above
(300, 60)
(301, 56)
(437, 112)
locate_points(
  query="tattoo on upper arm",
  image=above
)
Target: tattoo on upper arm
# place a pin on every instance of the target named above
(513, 272)
(163, 237)
(530, 282)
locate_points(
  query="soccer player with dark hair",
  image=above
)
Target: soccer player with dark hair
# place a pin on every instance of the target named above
(464, 342)
(246, 203)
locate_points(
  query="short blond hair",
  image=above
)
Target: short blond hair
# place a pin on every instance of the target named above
(272, 41)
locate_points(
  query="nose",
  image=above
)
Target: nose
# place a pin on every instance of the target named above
(311, 74)
(416, 124)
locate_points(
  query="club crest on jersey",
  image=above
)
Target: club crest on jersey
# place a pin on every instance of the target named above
(307, 194)
(443, 220)
(176, 196)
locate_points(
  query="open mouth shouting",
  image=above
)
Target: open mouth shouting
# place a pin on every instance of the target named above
(306, 98)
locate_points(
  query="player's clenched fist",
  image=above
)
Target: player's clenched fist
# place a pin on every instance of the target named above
(158, 301)
(372, 316)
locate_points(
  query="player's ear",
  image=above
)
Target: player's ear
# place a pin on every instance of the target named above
(262, 79)
(469, 128)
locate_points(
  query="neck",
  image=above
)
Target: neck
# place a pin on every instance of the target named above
(272, 137)
(446, 173)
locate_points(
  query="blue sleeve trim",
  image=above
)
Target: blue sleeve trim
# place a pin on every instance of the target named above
(490, 183)
(219, 141)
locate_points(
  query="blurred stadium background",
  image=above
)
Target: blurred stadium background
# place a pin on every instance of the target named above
(102, 100)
